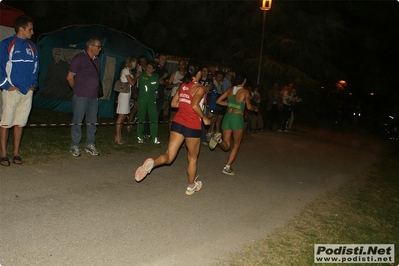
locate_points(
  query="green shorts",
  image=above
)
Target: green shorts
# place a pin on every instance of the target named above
(233, 122)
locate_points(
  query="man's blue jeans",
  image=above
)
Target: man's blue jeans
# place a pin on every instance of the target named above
(84, 107)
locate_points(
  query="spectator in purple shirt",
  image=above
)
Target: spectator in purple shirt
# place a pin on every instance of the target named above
(84, 80)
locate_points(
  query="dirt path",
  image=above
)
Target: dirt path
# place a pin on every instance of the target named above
(96, 214)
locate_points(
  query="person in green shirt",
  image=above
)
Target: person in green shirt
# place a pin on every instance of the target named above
(147, 103)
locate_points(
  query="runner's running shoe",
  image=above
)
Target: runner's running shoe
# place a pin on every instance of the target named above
(197, 187)
(228, 171)
(143, 170)
(215, 140)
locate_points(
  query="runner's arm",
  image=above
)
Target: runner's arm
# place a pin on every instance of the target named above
(199, 94)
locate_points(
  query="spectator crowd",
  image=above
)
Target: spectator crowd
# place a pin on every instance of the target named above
(202, 106)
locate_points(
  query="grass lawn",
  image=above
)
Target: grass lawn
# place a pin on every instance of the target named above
(44, 143)
(363, 211)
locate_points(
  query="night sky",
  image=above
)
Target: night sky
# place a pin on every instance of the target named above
(313, 43)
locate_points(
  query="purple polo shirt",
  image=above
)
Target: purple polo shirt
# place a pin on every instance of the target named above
(86, 76)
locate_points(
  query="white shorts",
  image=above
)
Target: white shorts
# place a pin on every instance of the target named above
(16, 108)
(123, 103)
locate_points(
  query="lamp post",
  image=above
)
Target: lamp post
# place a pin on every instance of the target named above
(266, 5)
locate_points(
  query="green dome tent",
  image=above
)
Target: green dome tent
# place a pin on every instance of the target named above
(56, 50)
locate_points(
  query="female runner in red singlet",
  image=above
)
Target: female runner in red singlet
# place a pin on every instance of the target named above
(186, 126)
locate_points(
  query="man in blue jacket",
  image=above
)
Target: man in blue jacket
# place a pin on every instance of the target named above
(19, 68)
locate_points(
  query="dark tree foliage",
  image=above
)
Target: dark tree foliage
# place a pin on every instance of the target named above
(310, 43)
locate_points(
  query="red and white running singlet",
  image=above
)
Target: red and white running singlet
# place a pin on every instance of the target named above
(185, 114)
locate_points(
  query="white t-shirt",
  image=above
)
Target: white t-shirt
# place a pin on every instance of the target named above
(177, 79)
(125, 71)
(287, 98)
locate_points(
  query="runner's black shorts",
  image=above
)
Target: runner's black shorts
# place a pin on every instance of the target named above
(185, 131)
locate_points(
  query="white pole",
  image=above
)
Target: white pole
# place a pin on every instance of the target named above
(261, 45)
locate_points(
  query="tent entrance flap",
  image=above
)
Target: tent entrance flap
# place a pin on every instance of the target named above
(108, 79)
(55, 85)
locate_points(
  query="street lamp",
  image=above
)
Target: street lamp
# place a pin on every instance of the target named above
(266, 5)
(340, 85)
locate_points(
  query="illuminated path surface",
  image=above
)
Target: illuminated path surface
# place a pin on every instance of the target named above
(92, 212)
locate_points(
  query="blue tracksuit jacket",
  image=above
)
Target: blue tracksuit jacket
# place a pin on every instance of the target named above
(19, 64)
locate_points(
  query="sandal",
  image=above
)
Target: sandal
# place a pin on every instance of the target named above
(4, 161)
(17, 160)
